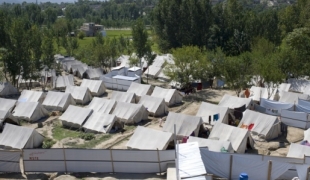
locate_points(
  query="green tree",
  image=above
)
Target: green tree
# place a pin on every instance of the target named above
(140, 39)
(48, 51)
(81, 35)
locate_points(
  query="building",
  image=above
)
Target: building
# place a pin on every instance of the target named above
(90, 29)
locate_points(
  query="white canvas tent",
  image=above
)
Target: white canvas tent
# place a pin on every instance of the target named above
(118, 82)
(29, 111)
(102, 105)
(134, 71)
(17, 137)
(149, 139)
(140, 89)
(213, 145)
(295, 119)
(57, 101)
(299, 85)
(283, 87)
(155, 106)
(171, 96)
(237, 136)
(64, 81)
(75, 116)
(119, 70)
(7, 89)
(7, 117)
(275, 107)
(93, 73)
(7, 104)
(185, 124)
(152, 71)
(207, 110)
(261, 125)
(298, 151)
(96, 87)
(258, 92)
(123, 97)
(130, 113)
(101, 122)
(234, 102)
(290, 97)
(81, 95)
(31, 96)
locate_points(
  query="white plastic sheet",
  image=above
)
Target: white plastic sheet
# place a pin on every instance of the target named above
(9, 161)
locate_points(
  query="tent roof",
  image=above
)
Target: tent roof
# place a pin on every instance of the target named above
(290, 97)
(153, 70)
(94, 73)
(30, 96)
(167, 94)
(93, 85)
(139, 89)
(207, 109)
(149, 139)
(298, 151)
(125, 78)
(102, 105)
(258, 92)
(76, 115)
(127, 111)
(234, 102)
(123, 96)
(64, 81)
(299, 85)
(7, 115)
(57, 99)
(151, 103)
(100, 122)
(17, 136)
(30, 110)
(185, 124)
(117, 68)
(7, 104)
(224, 132)
(7, 89)
(134, 68)
(213, 145)
(77, 92)
(263, 123)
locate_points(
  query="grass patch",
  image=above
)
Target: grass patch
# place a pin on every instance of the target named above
(129, 128)
(92, 143)
(60, 133)
(118, 33)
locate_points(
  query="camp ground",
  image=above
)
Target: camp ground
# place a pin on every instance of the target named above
(130, 113)
(155, 106)
(149, 139)
(7, 89)
(140, 89)
(17, 137)
(171, 96)
(30, 111)
(237, 136)
(81, 95)
(261, 125)
(186, 125)
(208, 111)
(212, 145)
(75, 116)
(96, 87)
(102, 105)
(100, 122)
(57, 101)
(31, 96)
(123, 97)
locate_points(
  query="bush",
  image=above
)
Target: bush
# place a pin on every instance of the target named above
(48, 143)
(87, 136)
(81, 35)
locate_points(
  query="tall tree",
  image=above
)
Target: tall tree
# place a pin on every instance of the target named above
(140, 39)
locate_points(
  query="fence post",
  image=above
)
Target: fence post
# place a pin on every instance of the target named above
(112, 160)
(23, 161)
(230, 166)
(158, 161)
(269, 170)
(63, 149)
(304, 158)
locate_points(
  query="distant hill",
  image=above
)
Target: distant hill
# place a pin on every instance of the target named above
(33, 1)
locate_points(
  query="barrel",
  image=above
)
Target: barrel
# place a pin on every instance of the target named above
(243, 176)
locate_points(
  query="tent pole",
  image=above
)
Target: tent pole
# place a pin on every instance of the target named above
(158, 161)
(230, 166)
(63, 149)
(269, 170)
(23, 161)
(112, 160)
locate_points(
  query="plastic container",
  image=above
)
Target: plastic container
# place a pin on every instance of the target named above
(243, 176)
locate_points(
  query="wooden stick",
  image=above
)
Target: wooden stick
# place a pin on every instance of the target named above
(63, 149)
(269, 170)
(230, 166)
(112, 160)
(23, 161)
(158, 161)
